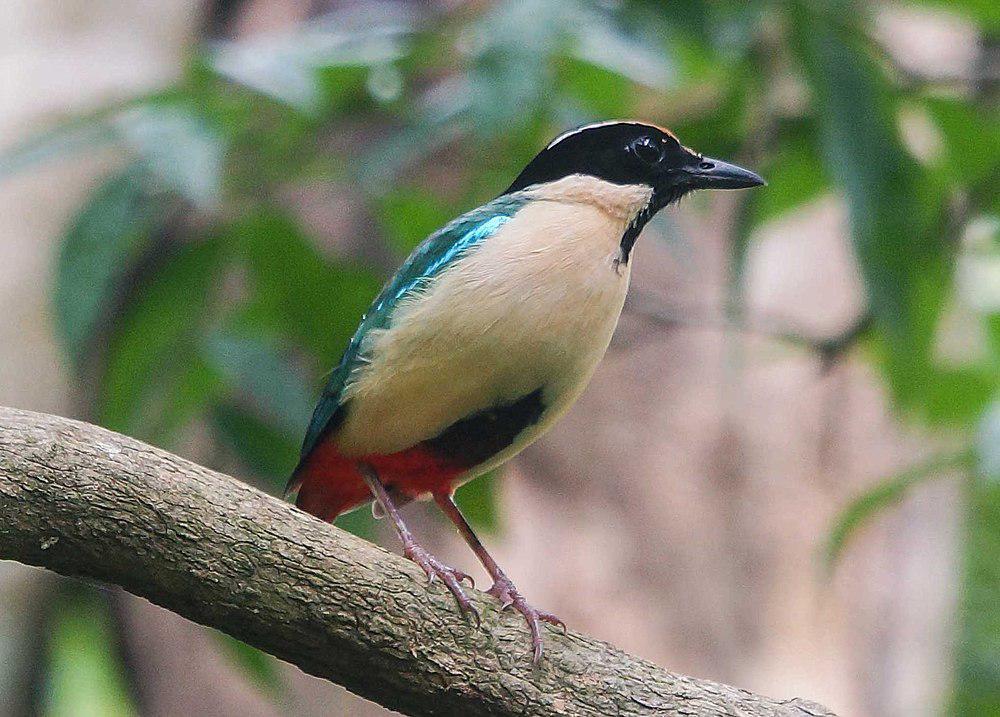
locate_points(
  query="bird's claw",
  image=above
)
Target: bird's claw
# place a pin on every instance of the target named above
(504, 591)
(451, 577)
(552, 620)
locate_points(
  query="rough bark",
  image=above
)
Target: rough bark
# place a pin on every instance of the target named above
(83, 501)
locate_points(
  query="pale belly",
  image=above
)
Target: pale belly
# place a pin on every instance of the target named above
(509, 322)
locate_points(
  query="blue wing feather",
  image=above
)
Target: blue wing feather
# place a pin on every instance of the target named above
(427, 261)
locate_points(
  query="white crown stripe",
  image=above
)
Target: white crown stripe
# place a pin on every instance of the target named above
(594, 125)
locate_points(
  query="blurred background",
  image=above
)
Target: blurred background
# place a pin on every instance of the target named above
(786, 474)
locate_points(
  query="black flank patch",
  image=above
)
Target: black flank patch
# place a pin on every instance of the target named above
(479, 437)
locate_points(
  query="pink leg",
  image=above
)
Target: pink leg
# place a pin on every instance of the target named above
(411, 549)
(503, 589)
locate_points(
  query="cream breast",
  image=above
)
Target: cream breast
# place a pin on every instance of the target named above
(534, 306)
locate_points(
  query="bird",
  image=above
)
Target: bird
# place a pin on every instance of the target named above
(488, 333)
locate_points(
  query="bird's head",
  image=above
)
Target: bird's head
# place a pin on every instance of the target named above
(633, 153)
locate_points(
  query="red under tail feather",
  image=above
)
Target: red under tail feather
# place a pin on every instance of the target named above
(330, 483)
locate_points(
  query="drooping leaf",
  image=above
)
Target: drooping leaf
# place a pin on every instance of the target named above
(57, 142)
(894, 208)
(289, 67)
(179, 146)
(882, 495)
(268, 452)
(254, 369)
(157, 342)
(103, 239)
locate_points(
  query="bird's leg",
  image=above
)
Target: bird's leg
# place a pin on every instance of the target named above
(503, 589)
(434, 568)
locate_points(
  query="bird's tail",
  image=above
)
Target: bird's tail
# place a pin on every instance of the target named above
(326, 483)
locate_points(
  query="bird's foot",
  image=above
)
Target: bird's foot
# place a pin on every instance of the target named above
(451, 577)
(504, 591)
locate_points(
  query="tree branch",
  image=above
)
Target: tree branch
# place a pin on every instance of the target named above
(83, 501)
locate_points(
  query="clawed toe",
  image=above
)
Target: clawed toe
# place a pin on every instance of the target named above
(552, 620)
(504, 591)
(451, 577)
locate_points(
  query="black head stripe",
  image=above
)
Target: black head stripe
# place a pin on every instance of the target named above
(602, 150)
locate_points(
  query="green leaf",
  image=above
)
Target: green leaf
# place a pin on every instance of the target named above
(359, 522)
(83, 677)
(604, 43)
(104, 238)
(895, 210)
(187, 388)
(719, 129)
(288, 68)
(377, 168)
(884, 494)
(958, 396)
(794, 177)
(972, 142)
(255, 369)
(157, 346)
(977, 670)
(600, 91)
(297, 293)
(57, 142)
(174, 141)
(261, 668)
(267, 451)
(982, 12)
(477, 500)
(410, 215)
(179, 147)
(510, 74)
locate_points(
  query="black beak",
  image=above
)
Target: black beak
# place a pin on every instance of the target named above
(715, 174)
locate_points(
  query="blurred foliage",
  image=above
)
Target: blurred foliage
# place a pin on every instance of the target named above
(978, 668)
(260, 667)
(888, 492)
(85, 676)
(191, 289)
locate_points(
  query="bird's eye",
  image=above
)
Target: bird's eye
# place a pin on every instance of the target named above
(648, 150)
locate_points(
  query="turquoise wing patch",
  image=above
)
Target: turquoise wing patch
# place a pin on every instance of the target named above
(427, 261)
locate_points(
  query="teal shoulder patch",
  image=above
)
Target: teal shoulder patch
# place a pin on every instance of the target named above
(427, 261)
